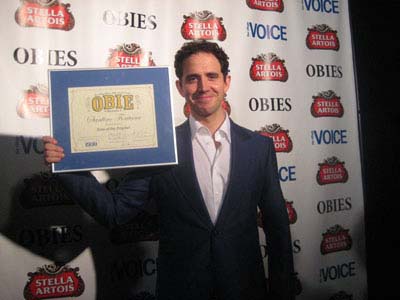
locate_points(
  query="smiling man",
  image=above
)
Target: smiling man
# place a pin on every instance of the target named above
(208, 204)
(203, 84)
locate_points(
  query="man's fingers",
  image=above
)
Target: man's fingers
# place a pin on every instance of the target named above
(49, 139)
(52, 152)
(53, 156)
(53, 148)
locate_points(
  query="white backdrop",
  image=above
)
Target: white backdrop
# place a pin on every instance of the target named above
(292, 79)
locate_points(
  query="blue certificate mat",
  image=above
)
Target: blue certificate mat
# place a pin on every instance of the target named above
(112, 118)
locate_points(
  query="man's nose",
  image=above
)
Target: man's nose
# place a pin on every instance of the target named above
(203, 84)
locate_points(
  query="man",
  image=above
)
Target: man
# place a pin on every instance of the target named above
(207, 204)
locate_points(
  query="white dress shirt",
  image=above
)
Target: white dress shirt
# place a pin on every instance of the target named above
(212, 163)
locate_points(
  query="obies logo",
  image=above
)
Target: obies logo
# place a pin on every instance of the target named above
(327, 104)
(268, 5)
(342, 295)
(130, 55)
(280, 136)
(34, 103)
(145, 227)
(332, 171)
(268, 67)
(51, 281)
(203, 25)
(335, 239)
(291, 212)
(45, 14)
(225, 105)
(43, 190)
(322, 37)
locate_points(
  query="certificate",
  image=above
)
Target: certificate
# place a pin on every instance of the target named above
(112, 118)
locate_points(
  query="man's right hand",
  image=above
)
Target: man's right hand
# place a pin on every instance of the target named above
(52, 152)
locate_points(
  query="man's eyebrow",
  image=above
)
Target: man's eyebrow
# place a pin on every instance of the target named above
(191, 75)
(213, 73)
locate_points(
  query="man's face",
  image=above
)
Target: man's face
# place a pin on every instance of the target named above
(203, 86)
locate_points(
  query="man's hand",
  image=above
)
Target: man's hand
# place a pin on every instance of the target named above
(52, 152)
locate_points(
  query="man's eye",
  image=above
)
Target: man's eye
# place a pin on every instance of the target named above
(191, 78)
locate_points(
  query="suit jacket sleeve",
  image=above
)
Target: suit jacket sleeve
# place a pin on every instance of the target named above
(108, 208)
(277, 231)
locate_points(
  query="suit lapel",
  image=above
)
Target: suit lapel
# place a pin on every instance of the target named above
(186, 180)
(239, 164)
(185, 174)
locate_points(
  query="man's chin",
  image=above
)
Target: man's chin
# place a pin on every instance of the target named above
(203, 112)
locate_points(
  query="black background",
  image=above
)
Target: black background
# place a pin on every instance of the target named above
(375, 31)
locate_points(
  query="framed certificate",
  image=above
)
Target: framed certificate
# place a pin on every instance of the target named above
(112, 118)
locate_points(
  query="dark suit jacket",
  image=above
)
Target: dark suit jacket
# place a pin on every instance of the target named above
(197, 258)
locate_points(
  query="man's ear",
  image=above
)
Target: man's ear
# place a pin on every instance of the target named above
(178, 84)
(227, 83)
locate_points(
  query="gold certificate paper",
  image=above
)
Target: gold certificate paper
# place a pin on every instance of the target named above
(106, 118)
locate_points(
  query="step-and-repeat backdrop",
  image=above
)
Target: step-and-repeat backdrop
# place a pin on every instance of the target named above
(292, 79)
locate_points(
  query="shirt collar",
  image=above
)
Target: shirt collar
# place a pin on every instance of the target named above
(223, 131)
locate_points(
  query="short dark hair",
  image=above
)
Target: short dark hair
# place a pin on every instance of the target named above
(197, 46)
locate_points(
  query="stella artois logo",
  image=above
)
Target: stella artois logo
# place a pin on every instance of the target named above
(280, 136)
(291, 212)
(335, 239)
(332, 171)
(322, 37)
(51, 281)
(145, 227)
(34, 103)
(267, 5)
(225, 105)
(45, 14)
(327, 104)
(43, 190)
(268, 67)
(203, 25)
(130, 55)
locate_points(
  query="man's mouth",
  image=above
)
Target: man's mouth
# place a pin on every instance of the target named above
(202, 98)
